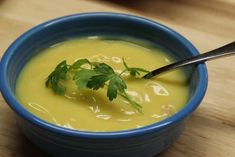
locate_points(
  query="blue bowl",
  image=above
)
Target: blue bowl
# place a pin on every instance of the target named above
(62, 142)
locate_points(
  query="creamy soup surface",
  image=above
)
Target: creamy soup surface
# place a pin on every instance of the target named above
(91, 110)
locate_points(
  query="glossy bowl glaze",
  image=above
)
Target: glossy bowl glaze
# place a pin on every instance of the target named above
(62, 142)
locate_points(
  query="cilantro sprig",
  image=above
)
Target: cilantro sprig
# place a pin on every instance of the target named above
(93, 75)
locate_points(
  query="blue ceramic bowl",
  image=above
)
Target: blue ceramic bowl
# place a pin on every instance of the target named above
(63, 142)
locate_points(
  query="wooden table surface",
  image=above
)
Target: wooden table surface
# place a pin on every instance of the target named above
(210, 131)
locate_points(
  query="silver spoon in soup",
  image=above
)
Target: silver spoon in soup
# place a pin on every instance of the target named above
(228, 49)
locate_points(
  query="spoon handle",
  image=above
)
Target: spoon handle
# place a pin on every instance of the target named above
(225, 50)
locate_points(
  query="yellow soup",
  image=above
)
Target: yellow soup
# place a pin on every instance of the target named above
(91, 110)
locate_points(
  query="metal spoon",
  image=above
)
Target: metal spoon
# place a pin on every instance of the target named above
(225, 50)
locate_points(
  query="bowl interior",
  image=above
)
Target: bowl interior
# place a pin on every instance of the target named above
(52, 32)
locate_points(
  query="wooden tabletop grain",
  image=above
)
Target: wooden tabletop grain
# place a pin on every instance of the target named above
(210, 131)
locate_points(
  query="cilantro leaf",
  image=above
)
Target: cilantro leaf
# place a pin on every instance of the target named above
(97, 76)
(82, 77)
(103, 68)
(97, 81)
(136, 71)
(133, 70)
(55, 78)
(79, 63)
(116, 84)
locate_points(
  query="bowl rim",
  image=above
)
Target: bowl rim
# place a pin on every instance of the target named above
(22, 112)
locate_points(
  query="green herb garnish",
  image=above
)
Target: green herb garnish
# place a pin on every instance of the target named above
(96, 76)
